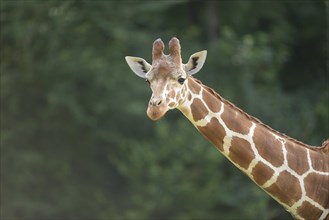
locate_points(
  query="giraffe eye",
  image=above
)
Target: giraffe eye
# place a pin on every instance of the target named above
(181, 80)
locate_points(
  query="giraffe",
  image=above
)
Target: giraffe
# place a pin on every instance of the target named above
(295, 174)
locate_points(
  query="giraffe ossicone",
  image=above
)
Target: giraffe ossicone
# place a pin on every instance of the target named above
(293, 173)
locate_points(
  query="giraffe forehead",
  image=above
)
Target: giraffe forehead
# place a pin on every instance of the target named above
(166, 68)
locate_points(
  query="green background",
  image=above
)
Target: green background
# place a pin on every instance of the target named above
(75, 139)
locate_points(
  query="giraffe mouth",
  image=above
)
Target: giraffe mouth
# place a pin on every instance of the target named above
(156, 112)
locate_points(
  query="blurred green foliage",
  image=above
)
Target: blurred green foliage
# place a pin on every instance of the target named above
(75, 139)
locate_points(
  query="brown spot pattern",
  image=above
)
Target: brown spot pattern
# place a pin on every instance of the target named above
(199, 111)
(268, 146)
(189, 97)
(194, 87)
(211, 101)
(286, 188)
(236, 121)
(171, 94)
(309, 211)
(177, 96)
(297, 158)
(241, 152)
(183, 93)
(184, 89)
(319, 161)
(262, 173)
(171, 104)
(214, 132)
(317, 188)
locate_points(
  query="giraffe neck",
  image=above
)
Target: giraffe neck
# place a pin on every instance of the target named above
(294, 174)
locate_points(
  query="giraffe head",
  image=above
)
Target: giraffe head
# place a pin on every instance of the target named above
(167, 76)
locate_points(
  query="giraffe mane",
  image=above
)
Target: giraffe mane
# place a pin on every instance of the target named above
(323, 148)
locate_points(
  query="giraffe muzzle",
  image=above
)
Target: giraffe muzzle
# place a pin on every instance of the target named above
(157, 108)
(155, 102)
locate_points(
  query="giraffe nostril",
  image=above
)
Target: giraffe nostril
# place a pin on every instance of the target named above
(155, 102)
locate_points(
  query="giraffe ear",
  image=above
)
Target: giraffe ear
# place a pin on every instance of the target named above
(138, 65)
(195, 62)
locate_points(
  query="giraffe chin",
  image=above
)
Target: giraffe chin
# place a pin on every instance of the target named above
(156, 112)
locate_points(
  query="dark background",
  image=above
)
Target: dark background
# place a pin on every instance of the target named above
(75, 139)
